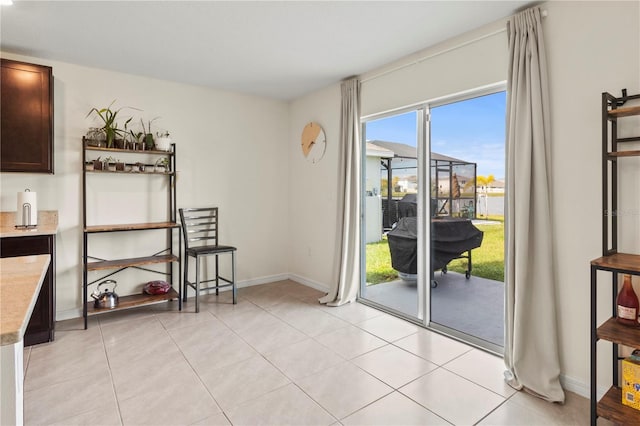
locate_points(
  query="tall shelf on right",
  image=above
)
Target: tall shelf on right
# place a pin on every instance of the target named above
(614, 150)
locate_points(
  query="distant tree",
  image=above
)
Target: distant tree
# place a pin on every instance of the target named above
(383, 186)
(483, 183)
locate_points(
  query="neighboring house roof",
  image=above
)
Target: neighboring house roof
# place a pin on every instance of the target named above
(378, 151)
(401, 150)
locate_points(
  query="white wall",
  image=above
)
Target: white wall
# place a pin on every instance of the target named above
(585, 59)
(232, 152)
(313, 191)
(591, 47)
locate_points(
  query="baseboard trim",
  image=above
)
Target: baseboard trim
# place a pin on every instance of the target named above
(77, 312)
(68, 314)
(581, 388)
(262, 280)
(309, 282)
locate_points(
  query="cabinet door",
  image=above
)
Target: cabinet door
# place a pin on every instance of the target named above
(42, 323)
(26, 110)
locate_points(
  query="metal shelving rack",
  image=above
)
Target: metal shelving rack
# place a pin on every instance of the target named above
(112, 267)
(610, 405)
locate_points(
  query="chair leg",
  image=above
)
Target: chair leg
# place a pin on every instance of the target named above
(217, 277)
(197, 284)
(185, 286)
(233, 278)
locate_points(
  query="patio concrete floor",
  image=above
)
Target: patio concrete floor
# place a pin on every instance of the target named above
(474, 306)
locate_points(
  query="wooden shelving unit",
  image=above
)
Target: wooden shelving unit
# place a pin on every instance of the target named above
(110, 267)
(130, 227)
(129, 172)
(134, 301)
(610, 405)
(611, 408)
(135, 261)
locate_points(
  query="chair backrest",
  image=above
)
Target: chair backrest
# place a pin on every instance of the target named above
(199, 226)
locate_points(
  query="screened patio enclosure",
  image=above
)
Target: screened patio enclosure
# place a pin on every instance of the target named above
(453, 182)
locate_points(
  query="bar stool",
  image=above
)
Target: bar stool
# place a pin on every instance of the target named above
(200, 234)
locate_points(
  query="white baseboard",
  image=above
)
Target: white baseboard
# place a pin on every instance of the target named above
(263, 280)
(309, 283)
(581, 388)
(77, 312)
(68, 314)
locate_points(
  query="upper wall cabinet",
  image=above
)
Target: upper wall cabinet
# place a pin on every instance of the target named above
(26, 111)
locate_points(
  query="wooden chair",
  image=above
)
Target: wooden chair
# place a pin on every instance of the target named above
(200, 234)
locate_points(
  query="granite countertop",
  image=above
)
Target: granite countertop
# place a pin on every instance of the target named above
(47, 224)
(20, 282)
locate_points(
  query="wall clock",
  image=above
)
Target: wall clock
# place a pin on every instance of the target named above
(314, 142)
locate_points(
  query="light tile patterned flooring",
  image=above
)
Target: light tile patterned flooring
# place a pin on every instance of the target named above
(276, 358)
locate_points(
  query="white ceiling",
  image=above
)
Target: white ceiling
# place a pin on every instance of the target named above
(277, 49)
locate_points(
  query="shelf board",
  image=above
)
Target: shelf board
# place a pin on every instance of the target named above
(129, 172)
(130, 227)
(623, 262)
(133, 301)
(613, 331)
(624, 112)
(624, 154)
(130, 151)
(134, 261)
(611, 408)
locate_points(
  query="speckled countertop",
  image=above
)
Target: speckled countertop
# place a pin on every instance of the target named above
(20, 282)
(47, 224)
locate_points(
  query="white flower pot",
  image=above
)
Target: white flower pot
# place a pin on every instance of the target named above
(163, 143)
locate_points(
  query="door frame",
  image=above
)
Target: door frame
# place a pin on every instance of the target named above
(424, 232)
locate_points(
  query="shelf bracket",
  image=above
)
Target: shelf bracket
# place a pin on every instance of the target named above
(622, 100)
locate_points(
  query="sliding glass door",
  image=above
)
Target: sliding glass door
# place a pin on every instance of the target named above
(433, 215)
(391, 210)
(467, 224)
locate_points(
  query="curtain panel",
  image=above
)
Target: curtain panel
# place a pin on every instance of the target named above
(347, 274)
(531, 341)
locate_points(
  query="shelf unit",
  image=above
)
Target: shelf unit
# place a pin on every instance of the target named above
(166, 256)
(610, 405)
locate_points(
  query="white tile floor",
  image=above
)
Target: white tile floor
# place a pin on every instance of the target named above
(275, 358)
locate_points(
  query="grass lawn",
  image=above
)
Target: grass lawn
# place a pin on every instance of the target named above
(487, 260)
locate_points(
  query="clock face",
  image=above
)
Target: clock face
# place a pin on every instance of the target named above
(313, 142)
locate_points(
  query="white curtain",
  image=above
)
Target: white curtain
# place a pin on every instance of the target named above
(347, 275)
(531, 342)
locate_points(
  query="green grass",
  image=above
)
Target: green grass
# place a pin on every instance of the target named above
(488, 259)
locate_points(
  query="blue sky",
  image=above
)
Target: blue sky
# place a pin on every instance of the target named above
(472, 130)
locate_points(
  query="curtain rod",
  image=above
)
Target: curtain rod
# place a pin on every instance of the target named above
(543, 13)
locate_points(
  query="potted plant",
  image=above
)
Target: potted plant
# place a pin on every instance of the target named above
(163, 141)
(162, 165)
(97, 164)
(148, 135)
(110, 126)
(119, 166)
(110, 164)
(95, 137)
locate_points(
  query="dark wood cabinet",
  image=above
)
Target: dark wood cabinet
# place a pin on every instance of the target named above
(26, 116)
(41, 326)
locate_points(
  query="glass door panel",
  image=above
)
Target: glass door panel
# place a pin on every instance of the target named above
(390, 213)
(467, 224)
